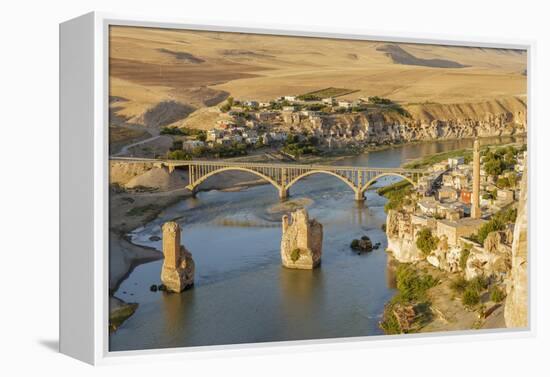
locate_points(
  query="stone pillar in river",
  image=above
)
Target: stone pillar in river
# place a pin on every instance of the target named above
(178, 269)
(302, 241)
(476, 211)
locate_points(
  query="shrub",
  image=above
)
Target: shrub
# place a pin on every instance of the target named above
(470, 297)
(459, 285)
(389, 322)
(479, 283)
(426, 242)
(464, 254)
(295, 255)
(411, 285)
(497, 295)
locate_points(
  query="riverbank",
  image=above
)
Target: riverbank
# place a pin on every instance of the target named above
(429, 300)
(426, 161)
(132, 209)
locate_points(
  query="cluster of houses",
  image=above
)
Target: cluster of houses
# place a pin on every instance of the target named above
(444, 201)
(229, 133)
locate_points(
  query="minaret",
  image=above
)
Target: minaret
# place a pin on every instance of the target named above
(476, 211)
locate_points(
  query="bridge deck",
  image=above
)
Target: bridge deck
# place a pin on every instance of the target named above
(226, 163)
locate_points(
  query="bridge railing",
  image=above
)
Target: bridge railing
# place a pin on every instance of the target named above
(225, 163)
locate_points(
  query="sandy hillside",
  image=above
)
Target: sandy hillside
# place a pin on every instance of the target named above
(200, 69)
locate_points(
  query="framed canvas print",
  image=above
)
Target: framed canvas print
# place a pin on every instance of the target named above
(224, 187)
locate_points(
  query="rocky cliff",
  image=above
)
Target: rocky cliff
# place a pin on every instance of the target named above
(516, 309)
(502, 117)
(401, 244)
(302, 241)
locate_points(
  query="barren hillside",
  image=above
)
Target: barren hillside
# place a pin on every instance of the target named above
(200, 69)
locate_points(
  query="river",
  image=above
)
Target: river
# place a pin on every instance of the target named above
(242, 294)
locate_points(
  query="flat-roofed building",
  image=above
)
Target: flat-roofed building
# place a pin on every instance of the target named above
(453, 230)
(447, 193)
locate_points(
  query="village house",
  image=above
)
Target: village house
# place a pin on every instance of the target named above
(264, 116)
(249, 133)
(329, 101)
(453, 230)
(466, 196)
(264, 104)
(419, 222)
(225, 141)
(189, 145)
(289, 98)
(424, 184)
(440, 166)
(450, 211)
(427, 206)
(455, 161)
(447, 193)
(289, 108)
(448, 180)
(345, 104)
(504, 197)
(252, 103)
(214, 134)
(252, 140)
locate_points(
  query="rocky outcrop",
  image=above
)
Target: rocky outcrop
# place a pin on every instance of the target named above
(122, 172)
(425, 122)
(178, 269)
(516, 309)
(493, 259)
(445, 257)
(401, 243)
(302, 241)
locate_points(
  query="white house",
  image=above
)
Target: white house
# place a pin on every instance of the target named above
(192, 144)
(345, 104)
(455, 161)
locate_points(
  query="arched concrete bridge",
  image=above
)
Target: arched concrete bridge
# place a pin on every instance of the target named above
(283, 176)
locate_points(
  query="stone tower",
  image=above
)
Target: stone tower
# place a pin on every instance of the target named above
(178, 269)
(476, 211)
(302, 241)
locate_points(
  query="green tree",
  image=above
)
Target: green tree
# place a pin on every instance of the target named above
(425, 241)
(494, 166)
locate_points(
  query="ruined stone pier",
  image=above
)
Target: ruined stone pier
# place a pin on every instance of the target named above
(178, 269)
(302, 241)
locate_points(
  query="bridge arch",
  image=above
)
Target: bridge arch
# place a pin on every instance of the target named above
(343, 179)
(366, 186)
(200, 180)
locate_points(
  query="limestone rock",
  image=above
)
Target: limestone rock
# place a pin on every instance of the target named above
(178, 269)
(302, 241)
(403, 249)
(516, 308)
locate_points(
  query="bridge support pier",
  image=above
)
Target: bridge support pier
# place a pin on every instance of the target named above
(283, 193)
(359, 196)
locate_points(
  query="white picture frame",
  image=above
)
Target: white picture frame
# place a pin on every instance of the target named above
(84, 75)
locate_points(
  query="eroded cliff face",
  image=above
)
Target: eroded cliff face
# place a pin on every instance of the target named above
(425, 122)
(516, 312)
(403, 248)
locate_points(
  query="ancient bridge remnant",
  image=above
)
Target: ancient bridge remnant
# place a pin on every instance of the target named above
(302, 241)
(178, 269)
(284, 176)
